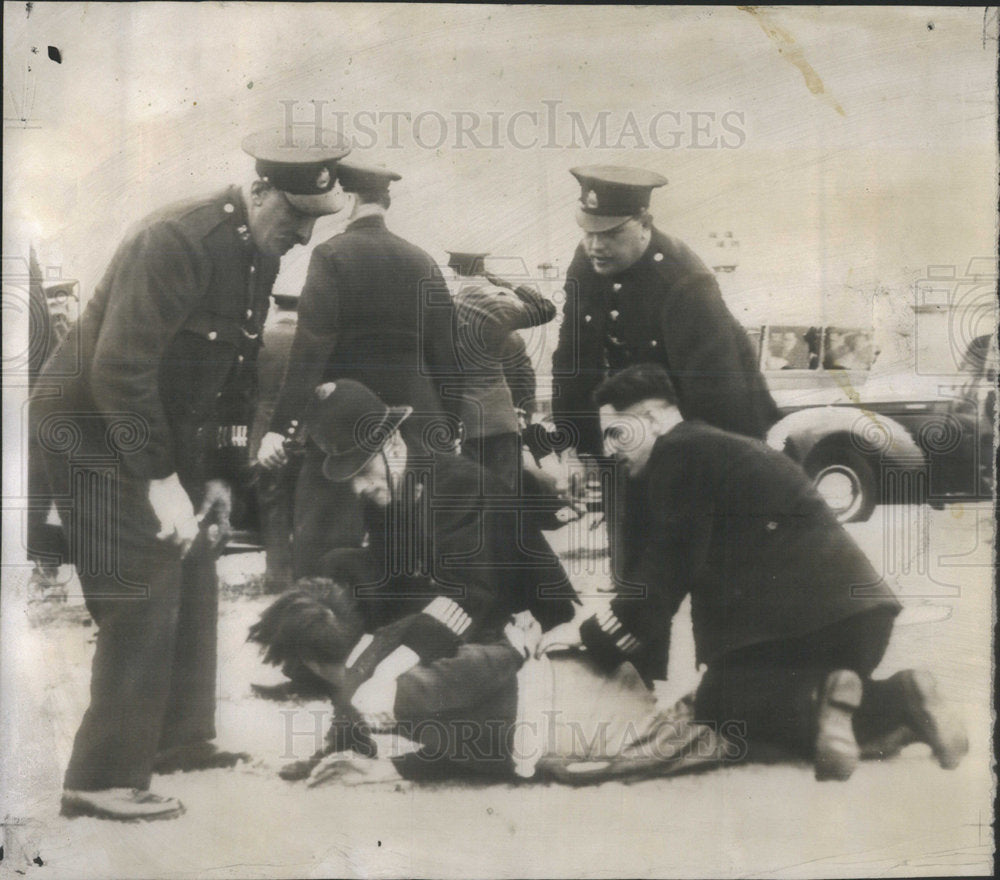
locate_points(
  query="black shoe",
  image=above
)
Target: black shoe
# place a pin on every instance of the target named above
(291, 690)
(195, 756)
(889, 744)
(931, 720)
(837, 752)
(120, 804)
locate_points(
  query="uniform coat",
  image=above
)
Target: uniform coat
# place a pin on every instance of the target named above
(737, 526)
(162, 359)
(376, 309)
(666, 309)
(444, 536)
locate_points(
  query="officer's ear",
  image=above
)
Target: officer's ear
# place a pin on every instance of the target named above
(259, 189)
(645, 219)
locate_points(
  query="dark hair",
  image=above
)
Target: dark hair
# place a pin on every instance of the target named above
(317, 620)
(634, 384)
(378, 196)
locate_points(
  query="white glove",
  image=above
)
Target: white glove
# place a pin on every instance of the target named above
(174, 510)
(272, 454)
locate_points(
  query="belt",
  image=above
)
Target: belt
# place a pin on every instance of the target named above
(227, 436)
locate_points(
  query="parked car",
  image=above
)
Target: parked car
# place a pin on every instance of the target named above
(895, 438)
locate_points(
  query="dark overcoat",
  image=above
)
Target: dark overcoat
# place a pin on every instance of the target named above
(375, 309)
(667, 309)
(445, 534)
(157, 378)
(738, 526)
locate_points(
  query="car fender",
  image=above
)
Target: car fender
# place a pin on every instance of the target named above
(871, 434)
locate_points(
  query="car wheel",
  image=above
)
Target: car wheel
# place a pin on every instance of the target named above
(845, 481)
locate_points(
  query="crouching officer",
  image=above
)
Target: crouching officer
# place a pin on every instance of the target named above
(789, 616)
(139, 410)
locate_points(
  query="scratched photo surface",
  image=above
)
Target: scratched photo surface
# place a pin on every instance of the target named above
(823, 182)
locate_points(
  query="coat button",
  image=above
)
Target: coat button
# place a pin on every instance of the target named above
(249, 314)
(587, 319)
(228, 208)
(771, 526)
(616, 286)
(212, 335)
(658, 258)
(653, 343)
(239, 359)
(613, 314)
(253, 269)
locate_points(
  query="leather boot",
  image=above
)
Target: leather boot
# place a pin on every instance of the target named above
(837, 752)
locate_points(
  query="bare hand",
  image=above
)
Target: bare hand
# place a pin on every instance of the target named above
(217, 506)
(173, 509)
(272, 454)
(560, 638)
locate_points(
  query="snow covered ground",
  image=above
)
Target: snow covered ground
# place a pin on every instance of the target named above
(903, 817)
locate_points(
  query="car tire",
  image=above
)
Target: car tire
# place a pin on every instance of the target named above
(846, 481)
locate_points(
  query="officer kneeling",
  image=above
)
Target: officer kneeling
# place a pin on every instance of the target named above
(789, 616)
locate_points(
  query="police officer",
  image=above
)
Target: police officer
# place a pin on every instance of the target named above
(634, 294)
(489, 311)
(140, 408)
(376, 309)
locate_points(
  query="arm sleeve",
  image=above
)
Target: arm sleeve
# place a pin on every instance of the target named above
(713, 362)
(680, 502)
(314, 342)
(518, 373)
(576, 371)
(160, 278)
(439, 328)
(454, 683)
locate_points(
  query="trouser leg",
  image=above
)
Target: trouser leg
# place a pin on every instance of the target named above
(327, 516)
(191, 708)
(117, 741)
(772, 688)
(276, 503)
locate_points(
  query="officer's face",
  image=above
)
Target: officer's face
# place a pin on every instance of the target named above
(371, 483)
(629, 435)
(276, 226)
(614, 251)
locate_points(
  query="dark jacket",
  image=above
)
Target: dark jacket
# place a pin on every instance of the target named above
(445, 537)
(165, 352)
(487, 317)
(667, 309)
(376, 309)
(738, 526)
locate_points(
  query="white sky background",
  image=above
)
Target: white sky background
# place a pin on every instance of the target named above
(151, 101)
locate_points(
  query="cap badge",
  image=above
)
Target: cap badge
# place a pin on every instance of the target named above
(591, 200)
(323, 181)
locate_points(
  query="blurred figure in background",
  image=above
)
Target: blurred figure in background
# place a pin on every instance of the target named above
(489, 311)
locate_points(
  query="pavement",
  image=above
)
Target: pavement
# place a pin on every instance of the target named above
(902, 817)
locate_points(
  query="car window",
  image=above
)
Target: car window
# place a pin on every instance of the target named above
(792, 348)
(848, 349)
